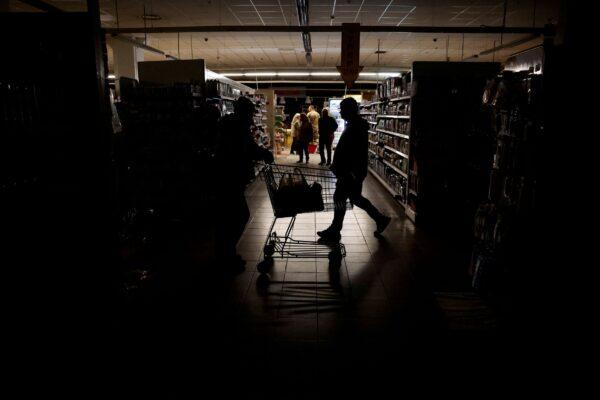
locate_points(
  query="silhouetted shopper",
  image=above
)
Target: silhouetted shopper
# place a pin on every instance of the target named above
(313, 117)
(350, 167)
(295, 130)
(327, 128)
(305, 136)
(235, 156)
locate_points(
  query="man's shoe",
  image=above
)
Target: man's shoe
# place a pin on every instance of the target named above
(299, 162)
(328, 164)
(321, 163)
(382, 223)
(330, 235)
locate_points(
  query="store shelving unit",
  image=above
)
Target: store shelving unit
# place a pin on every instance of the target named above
(389, 136)
(448, 143)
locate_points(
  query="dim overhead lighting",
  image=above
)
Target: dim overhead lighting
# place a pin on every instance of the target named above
(293, 73)
(260, 73)
(325, 74)
(111, 76)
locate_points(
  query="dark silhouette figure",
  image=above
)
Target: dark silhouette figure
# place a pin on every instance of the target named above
(350, 167)
(235, 156)
(305, 136)
(327, 128)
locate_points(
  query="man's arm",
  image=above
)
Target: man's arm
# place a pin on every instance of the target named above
(259, 153)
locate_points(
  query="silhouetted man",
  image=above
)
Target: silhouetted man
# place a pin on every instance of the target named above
(235, 156)
(350, 167)
(327, 128)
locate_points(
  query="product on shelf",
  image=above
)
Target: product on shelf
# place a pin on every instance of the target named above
(215, 88)
(395, 87)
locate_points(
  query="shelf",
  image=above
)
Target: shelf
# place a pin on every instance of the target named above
(386, 185)
(402, 135)
(368, 113)
(373, 132)
(411, 214)
(394, 116)
(372, 123)
(403, 98)
(398, 170)
(373, 142)
(223, 98)
(393, 150)
(372, 151)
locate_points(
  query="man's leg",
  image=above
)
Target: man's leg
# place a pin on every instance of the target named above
(340, 196)
(305, 149)
(235, 215)
(300, 149)
(360, 201)
(322, 149)
(329, 144)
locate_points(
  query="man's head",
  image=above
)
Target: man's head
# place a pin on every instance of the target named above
(349, 108)
(325, 113)
(311, 108)
(244, 108)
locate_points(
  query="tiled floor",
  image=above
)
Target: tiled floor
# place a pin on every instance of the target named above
(305, 329)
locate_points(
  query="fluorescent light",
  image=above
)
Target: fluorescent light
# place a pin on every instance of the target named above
(308, 73)
(260, 74)
(389, 74)
(293, 74)
(111, 76)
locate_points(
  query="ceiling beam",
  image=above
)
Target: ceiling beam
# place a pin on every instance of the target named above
(337, 28)
(509, 45)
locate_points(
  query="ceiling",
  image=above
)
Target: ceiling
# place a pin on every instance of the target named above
(268, 50)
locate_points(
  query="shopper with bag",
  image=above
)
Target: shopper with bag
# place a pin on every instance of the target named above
(327, 128)
(349, 165)
(235, 156)
(305, 136)
(295, 128)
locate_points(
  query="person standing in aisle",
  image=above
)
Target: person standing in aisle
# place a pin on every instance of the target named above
(305, 136)
(327, 128)
(349, 165)
(313, 117)
(235, 155)
(295, 128)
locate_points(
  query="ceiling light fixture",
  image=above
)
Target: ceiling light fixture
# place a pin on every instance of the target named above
(260, 73)
(316, 73)
(293, 73)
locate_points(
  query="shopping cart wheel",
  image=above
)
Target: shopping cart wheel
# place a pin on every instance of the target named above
(265, 265)
(269, 249)
(335, 258)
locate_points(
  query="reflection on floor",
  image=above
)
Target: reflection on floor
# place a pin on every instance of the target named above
(305, 328)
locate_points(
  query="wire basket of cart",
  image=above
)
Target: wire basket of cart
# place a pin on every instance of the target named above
(297, 190)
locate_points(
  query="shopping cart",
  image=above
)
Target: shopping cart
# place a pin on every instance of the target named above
(284, 246)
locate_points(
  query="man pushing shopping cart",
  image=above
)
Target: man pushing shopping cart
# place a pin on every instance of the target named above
(350, 162)
(295, 190)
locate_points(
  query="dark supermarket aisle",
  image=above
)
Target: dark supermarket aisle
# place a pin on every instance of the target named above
(304, 325)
